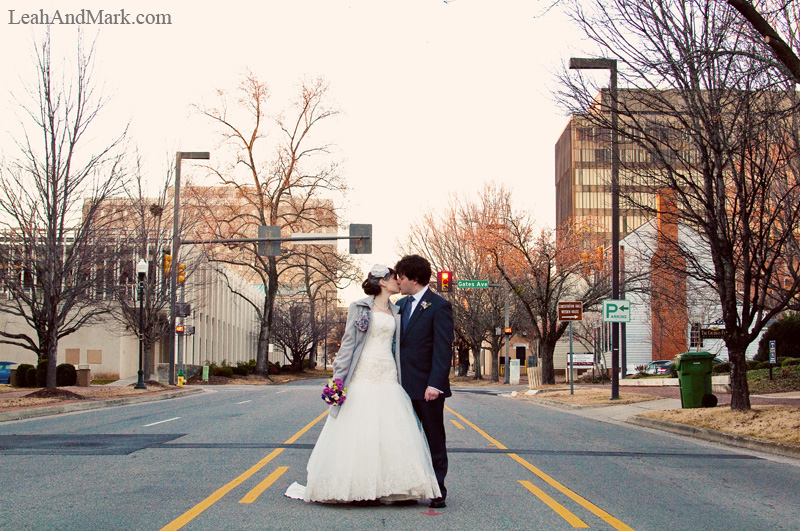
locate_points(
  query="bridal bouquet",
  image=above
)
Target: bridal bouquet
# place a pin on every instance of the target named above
(335, 392)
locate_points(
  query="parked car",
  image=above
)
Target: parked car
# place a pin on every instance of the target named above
(715, 361)
(5, 371)
(658, 367)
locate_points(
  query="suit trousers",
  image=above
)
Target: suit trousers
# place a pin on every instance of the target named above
(431, 416)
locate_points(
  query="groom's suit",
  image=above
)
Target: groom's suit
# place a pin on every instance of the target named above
(425, 355)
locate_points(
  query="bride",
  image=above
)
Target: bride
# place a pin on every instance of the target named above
(372, 448)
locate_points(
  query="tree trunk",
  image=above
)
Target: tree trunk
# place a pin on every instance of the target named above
(548, 369)
(740, 394)
(262, 355)
(52, 363)
(476, 357)
(495, 365)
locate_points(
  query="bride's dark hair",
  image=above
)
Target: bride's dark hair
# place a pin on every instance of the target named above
(372, 284)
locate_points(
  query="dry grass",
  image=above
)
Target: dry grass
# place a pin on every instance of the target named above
(775, 423)
(586, 397)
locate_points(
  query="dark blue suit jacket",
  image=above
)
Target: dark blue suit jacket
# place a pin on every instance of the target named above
(426, 346)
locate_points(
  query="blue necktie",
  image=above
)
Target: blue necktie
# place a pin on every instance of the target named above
(407, 311)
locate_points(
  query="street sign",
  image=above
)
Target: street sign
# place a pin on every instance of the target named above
(570, 311)
(472, 283)
(616, 311)
(582, 360)
(773, 355)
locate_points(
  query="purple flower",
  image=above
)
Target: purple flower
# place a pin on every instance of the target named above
(334, 393)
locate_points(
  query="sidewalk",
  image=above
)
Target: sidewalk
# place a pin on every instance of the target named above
(669, 398)
(56, 408)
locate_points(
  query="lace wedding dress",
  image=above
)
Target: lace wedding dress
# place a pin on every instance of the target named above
(375, 448)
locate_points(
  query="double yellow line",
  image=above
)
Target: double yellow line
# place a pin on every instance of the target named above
(553, 504)
(195, 511)
(254, 493)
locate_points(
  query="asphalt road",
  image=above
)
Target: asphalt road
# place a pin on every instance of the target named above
(222, 460)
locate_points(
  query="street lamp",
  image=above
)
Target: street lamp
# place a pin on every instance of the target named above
(141, 273)
(576, 63)
(176, 244)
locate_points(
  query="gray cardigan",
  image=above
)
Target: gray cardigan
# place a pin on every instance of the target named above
(353, 343)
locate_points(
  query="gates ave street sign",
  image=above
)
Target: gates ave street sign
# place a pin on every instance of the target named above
(616, 311)
(472, 283)
(570, 311)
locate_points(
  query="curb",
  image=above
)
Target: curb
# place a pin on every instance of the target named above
(86, 405)
(739, 441)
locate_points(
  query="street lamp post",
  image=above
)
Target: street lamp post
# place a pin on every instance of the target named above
(176, 244)
(576, 63)
(141, 273)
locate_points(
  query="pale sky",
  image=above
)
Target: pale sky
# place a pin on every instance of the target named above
(436, 97)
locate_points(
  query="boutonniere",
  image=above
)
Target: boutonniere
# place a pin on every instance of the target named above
(362, 322)
(425, 304)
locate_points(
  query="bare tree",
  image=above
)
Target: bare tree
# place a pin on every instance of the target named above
(295, 330)
(718, 126)
(146, 224)
(51, 200)
(770, 19)
(288, 184)
(446, 241)
(540, 270)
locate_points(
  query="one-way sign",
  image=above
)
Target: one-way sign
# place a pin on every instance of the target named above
(616, 311)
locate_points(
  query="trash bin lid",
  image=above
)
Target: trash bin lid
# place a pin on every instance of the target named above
(696, 355)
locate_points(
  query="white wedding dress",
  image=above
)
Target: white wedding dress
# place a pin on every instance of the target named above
(375, 448)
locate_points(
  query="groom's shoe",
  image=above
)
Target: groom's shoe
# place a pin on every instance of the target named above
(437, 503)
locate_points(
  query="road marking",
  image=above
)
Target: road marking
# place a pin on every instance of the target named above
(251, 496)
(459, 426)
(613, 522)
(557, 507)
(160, 422)
(246, 401)
(195, 511)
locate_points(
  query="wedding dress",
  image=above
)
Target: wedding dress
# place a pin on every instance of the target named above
(375, 448)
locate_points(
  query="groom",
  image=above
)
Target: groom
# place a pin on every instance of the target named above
(426, 338)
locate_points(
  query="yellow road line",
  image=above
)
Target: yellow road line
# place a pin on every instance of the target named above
(562, 511)
(195, 511)
(253, 495)
(615, 523)
(459, 426)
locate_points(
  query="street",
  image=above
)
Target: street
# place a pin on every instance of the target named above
(222, 460)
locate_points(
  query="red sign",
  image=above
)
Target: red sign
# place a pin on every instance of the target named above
(570, 311)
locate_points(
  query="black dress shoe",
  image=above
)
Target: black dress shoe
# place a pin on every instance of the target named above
(437, 503)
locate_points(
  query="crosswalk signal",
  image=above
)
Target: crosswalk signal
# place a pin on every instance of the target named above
(181, 272)
(167, 264)
(507, 330)
(179, 329)
(444, 281)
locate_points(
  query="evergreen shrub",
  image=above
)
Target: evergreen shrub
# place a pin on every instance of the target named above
(21, 374)
(66, 375)
(30, 377)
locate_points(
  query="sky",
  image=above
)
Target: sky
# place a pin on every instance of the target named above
(436, 98)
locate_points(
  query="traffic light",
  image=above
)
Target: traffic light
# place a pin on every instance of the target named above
(507, 330)
(181, 272)
(167, 263)
(444, 281)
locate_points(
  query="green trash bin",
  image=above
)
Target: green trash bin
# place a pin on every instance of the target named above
(694, 375)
